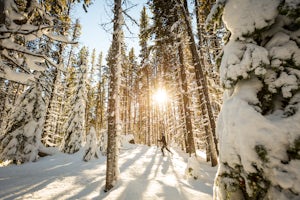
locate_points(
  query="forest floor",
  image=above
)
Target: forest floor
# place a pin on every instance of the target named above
(144, 174)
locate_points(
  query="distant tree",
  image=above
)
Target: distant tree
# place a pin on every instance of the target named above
(74, 127)
(258, 125)
(69, 86)
(144, 35)
(68, 82)
(91, 91)
(132, 74)
(101, 96)
(127, 76)
(91, 147)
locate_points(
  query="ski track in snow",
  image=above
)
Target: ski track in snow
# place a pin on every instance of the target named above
(145, 174)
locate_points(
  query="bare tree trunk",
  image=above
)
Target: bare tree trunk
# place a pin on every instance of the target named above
(112, 170)
(135, 109)
(148, 106)
(129, 114)
(99, 108)
(184, 136)
(126, 107)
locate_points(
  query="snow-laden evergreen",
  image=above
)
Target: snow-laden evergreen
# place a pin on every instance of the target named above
(50, 136)
(75, 125)
(103, 141)
(21, 139)
(21, 23)
(258, 127)
(91, 146)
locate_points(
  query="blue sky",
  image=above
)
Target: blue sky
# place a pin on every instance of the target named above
(100, 12)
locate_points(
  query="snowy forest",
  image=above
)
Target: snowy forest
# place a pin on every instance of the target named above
(206, 108)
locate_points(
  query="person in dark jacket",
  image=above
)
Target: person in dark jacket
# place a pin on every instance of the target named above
(164, 145)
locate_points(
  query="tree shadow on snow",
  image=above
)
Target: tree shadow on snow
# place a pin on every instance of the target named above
(134, 188)
(20, 188)
(25, 181)
(130, 161)
(203, 184)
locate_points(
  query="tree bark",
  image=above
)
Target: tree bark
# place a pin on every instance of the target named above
(148, 106)
(113, 103)
(187, 111)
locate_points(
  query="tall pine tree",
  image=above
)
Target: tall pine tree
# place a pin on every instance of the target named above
(75, 129)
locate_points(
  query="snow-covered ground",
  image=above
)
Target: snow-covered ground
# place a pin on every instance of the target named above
(145, 174)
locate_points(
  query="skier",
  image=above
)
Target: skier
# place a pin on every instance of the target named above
(164, 144)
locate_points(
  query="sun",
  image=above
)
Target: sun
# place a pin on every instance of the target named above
(160, 96)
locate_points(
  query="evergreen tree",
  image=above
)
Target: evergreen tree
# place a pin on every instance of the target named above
(75, 124)
(68, 82)
(144, 35)
(145, 72)
(260, 74)
(91, 91)
(91, 147)
(24, 24)
(132, 67)
(101, 95)
(22, 136)
(61, 9)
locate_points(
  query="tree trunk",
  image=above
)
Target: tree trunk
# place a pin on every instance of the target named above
(113, 103)
(187, 111)
(148, 106)
(184, 138)
(99, 108)
(129, 113)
